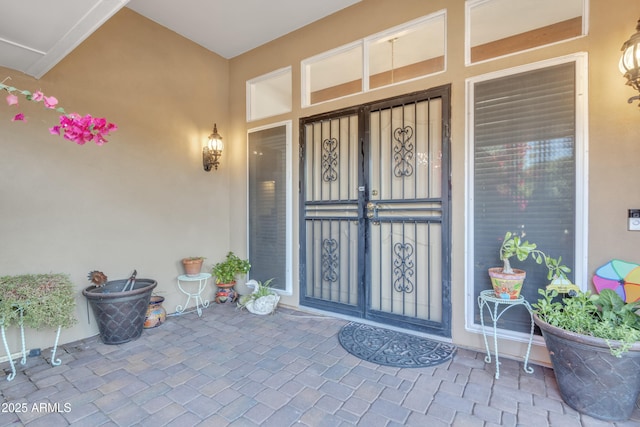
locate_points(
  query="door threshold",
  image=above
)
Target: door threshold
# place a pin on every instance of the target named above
(330, 314)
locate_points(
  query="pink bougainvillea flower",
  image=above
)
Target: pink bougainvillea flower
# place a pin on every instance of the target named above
(37, 96)
(50, 101)
(12, 99)
(80, 130)
(72, 127)
(99, 140)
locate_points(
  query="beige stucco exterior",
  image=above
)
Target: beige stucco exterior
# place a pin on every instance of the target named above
(143, 201)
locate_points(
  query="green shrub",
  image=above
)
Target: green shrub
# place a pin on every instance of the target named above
(604, 315)
(45, 299)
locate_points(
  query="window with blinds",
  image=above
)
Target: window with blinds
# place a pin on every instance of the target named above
(524, 174)
(269, 205)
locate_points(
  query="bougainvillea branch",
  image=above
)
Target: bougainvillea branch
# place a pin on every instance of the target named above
(73, 126)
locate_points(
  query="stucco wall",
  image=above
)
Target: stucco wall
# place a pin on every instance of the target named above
(612, 140)
(142, 201)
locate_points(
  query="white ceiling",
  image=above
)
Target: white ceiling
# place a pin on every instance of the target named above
(36, 34)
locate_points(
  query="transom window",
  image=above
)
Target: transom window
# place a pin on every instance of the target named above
(409, 51)
(497, 28)
(269, 94)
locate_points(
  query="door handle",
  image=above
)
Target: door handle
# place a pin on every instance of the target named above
(372, 210)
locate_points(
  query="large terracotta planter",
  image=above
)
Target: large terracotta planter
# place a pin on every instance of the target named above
(120, 314)
(591, 380)
(507, 286)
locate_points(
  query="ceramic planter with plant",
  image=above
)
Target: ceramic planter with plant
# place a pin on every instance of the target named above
(226, 273)
(263, 300)
(594, 346)
(506, 280)
(192, 265)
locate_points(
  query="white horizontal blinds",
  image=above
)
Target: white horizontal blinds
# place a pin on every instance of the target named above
(524, 171)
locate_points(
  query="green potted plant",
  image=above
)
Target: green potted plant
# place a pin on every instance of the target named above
(507, 281)
(594, 346)
(192, 265)
(36, 301)
(263, 300)
(227, 270)
(225, 273)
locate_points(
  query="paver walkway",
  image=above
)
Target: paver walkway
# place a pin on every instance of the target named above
(229, 367)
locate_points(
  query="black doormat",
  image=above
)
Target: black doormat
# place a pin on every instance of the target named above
(391, 348)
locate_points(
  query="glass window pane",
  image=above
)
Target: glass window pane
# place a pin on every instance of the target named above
(501, 27)
(269, 95)
(410, 52)
(524, 173)
(333, 75)
(267, 205)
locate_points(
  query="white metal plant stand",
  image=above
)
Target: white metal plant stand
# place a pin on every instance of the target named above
(202, 279)
(54, 361)
(489, 296)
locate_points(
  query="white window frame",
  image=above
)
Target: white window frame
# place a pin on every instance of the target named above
(470, 4)
(364, 43)
(288, 204)
(581, 159)
(407, 26)
(305, 71)
(251, 92)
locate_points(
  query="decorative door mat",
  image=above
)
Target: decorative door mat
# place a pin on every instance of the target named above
(391, 348)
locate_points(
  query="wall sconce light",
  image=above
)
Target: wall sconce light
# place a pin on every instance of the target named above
(212, 151)
(630, 62)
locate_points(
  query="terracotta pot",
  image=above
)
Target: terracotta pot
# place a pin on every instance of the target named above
(507, 286)
(192, 267)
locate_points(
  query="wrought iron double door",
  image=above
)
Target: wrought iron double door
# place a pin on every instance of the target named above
(374, 230)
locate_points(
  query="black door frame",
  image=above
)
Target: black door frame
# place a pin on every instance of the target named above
(442, 328)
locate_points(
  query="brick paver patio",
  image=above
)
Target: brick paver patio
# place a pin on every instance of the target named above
(230, 367)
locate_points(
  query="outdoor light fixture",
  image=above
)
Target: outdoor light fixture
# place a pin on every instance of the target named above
(630, 62)
(212, 151)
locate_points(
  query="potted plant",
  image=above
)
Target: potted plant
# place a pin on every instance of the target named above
(594, 346)
(263, 300)
(192, 265)
(36, 301)
(227, 270)
(507, 281)
(225, 273)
